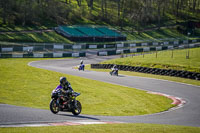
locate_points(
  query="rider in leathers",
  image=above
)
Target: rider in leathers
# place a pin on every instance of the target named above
(65, 87)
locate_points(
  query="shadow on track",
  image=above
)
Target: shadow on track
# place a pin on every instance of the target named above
(79, 116)
(121, 76)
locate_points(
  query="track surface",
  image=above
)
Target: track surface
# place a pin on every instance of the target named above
(188, 115)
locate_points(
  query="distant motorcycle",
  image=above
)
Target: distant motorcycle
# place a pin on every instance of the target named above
(64, 103)
(114, 72)
(81, 67)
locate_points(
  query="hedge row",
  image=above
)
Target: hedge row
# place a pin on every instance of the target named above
(156, 71)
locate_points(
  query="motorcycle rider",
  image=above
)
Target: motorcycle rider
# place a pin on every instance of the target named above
(114, 69)
(65, 87)
(82, 66)
(81, 62)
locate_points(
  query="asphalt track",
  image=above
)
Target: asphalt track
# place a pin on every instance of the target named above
(188, 115)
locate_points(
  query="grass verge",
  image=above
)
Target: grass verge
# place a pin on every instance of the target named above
(23, 85)
(109, 128)
(170, 59)
(163, 61)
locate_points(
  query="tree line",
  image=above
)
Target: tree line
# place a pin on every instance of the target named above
(135, 13)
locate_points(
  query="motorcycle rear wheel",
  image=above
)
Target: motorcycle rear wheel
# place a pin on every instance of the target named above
(53, 106)
(77, 111)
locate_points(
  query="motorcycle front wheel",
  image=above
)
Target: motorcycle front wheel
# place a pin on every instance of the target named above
(53, 106)
(77, 110)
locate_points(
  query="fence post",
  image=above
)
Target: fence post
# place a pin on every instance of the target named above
(156, 53)
(172, 54)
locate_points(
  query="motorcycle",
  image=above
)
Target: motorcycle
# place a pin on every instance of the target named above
(81, 67)
(114, 72)
(60, 102)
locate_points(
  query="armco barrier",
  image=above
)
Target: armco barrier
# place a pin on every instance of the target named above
(27, 55)
(43, 55)
(156, 71)
(67, 54)
(145, 49)
(17, 47)
(6, 55)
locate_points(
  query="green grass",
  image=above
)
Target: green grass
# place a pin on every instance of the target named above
(22, 28)
(109, 128)
(164, 60)
(48, 37)
(23, 85)
(155, 34)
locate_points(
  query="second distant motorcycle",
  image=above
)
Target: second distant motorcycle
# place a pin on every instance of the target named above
(81, 67)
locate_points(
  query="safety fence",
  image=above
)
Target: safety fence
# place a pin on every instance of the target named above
(23, 47)
(146, 49)
(42, 55)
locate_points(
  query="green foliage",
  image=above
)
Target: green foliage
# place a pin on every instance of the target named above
(137, 13)
(23, 85)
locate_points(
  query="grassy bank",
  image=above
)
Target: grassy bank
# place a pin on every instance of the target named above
(164, 61)
(171, 59)
(110, 128)
(145, 36)
(48, 37)
(23, 85)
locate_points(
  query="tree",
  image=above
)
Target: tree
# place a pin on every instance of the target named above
(79, 2)
(5, 6)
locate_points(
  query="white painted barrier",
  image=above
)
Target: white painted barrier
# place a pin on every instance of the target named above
(170, 47)
(191, 45)
(144, 44)
(155, 43)
(57, 55)
(194, 41)
(158, 48)
(176, 42)
(119, 51)
(133, 45)
(166, 43)
(6, 49)
(76, 46)
(120, 45)
(181, 46)
(27, 48)
(17, 55)
(92, 46)
(133, 50)
(38, 55)
(103, 53)
(58, 46)
(185, 41)
(146, 49)
(75, 54)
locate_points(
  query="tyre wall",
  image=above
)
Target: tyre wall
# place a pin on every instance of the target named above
(156, 71)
